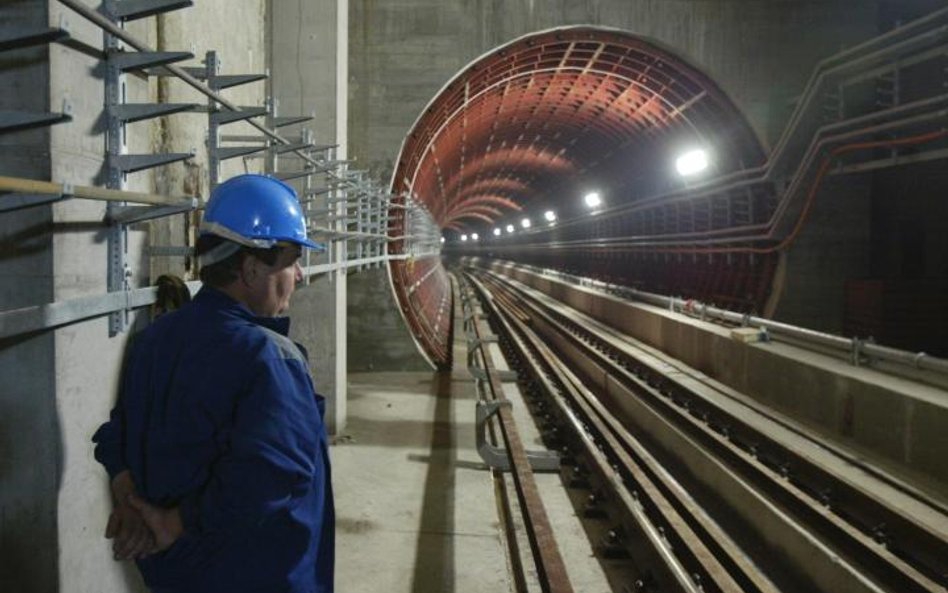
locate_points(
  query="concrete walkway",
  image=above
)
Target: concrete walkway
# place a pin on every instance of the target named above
(415, 508)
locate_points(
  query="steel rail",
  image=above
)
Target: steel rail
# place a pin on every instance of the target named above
(659, 516)
(917, 541)
(549, 563)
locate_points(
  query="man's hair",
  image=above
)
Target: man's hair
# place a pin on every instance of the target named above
(222, 273)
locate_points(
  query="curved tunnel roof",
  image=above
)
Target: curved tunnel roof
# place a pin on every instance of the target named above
(535, 123)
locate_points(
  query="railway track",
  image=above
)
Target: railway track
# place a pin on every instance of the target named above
(705, 489)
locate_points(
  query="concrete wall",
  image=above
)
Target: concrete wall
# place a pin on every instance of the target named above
(302, 38)
(59, 385)
(761, 53)
(832, 248)
(379, 340)
(30, 443)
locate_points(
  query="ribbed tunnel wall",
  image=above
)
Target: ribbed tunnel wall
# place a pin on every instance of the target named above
(535, 124)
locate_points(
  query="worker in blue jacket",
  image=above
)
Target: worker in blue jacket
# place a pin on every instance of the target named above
(217, 449)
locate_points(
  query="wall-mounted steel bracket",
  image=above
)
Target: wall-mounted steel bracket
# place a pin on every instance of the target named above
(127, 61)
(496, 457)
(133, 214)
(33, 37)
(130, 163)
(129, 10)
(14, 121)
(226, 81)
(287, 175)
(16, 201)
(289, 120)
(225, 117)
(281, 148)
(132, 112)
(232, 152)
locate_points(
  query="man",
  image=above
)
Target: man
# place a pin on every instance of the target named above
(217, 449)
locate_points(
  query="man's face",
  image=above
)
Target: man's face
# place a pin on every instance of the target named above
(271, 287)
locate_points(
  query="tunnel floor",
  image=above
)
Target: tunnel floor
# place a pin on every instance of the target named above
(416, 503)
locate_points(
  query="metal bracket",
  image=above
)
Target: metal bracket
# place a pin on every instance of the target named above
(16, 201)
(132, 112)
(279, 122)
(129, 10)
(133, 214)
(226, 117)
(496, 457)
(231, 152)
(287, 175)
(135, 60)
(33, 37)
(281, 148)
(12, 121)
(130, 163)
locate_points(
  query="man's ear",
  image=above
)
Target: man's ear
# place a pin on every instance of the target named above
(249, 269)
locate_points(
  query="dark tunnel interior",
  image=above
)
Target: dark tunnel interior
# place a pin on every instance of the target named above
(505, 157)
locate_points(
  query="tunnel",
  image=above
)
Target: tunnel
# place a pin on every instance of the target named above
(524, 132)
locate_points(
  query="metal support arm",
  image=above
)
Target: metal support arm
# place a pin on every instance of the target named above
(497, 458)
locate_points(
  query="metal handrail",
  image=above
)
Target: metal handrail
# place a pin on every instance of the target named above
(691, 307)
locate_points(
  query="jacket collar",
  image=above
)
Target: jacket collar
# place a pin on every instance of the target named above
(212, 297)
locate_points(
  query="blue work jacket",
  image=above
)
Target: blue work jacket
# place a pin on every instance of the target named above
(218, 416)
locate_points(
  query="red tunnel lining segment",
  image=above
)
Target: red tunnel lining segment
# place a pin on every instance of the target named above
(541, 110)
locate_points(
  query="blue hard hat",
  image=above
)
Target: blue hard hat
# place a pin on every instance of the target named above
(256, 211)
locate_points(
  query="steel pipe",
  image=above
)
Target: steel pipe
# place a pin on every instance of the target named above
(32, 186)
(918, 360)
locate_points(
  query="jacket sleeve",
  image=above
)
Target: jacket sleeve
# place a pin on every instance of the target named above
(109, 442)
(271, 459)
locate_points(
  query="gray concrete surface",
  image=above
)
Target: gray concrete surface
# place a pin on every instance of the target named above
(415, 510)
(59, 385)
(30, 441)
(894, 422)
(378, 338)
(301, 42)
(404, 52)
(832, 248)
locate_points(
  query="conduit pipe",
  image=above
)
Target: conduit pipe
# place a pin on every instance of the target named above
(771, 225)
(31, 186)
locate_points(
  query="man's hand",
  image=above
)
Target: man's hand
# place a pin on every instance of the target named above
(131, 535)
(165, 524)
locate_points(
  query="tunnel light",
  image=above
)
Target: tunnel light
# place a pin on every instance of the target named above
(593, 199)
(442, 239)
(464, 237)
(550, 216)
(474, 237)
(692, 162)
(510, 228)
(497, 232)
(525, 223)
